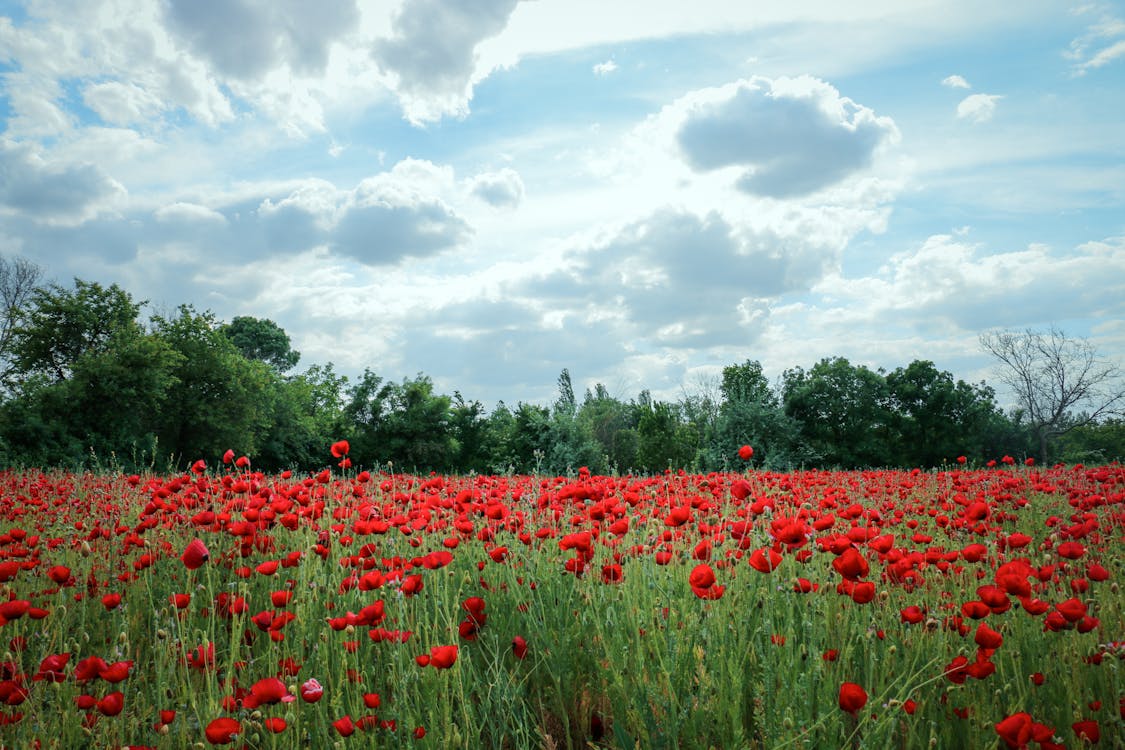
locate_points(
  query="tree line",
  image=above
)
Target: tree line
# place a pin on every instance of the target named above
(86, 382)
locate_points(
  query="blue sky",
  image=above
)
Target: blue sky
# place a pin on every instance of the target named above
(641, 192)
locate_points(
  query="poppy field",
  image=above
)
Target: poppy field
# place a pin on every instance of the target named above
(223, 607)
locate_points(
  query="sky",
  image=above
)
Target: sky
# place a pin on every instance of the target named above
(640, 191)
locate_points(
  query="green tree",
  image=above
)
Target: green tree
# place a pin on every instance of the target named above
(61, 325)
(530, 438)
(220, 399)
(751, 413)
(1094, 442)
(663, 440)
(90, 379)
(262, 339)
(468, 426)
(415, 429)
(363, 414)
(841, 410)
(306, 416)
(936, 418)
(570, 443)
(612, 423)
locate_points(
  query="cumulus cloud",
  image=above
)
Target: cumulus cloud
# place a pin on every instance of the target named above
(955, 82)
(789, 137)
(978, 107)
(679, 279)
(387, 217)
(502, 189)
(960, 285)
(44, 191)
(247, 38)
(605, 68)
(376, 229)
(433, 52)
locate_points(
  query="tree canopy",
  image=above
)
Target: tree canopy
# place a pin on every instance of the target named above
(88, 382)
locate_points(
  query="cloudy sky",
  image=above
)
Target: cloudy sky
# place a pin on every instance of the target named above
(642, 191)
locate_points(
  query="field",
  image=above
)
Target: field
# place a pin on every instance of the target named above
(971, 608)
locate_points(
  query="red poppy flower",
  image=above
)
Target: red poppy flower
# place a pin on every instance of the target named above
(116, 672)
(912, 614)
(345, 726)
(275, 724)
(60, 574)
(267, 692)
(222, 731)
(863, 592)
(1015, 730)
(111, 704)
(765, 560)
(228, 456)
(443, 657)
(14, 609)
(52, 668)
(852, 697)
(702, 576)
(1088, 730)
(195, 555)
(851, 564)
(340, 449)
(745, 452)
(519, 647)
(311, 691)
(986, 637)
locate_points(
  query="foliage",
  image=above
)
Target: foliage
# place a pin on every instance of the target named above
(262, 339)
(87, 382)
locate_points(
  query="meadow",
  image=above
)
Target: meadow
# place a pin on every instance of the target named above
(222, 607)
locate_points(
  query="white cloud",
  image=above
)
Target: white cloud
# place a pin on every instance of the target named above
(1104, 56)
(605, 68)
(52, 192)
(188, 213)
(978, 107)
(1102, 43)
(501, 189)
(788, 137)
(246, 39)
(955, 82)
(947, 282)
(433, 52)
(121, 103)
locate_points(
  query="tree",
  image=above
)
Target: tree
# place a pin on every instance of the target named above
(415, 431)
(612, 424)
(262, 339)
(750, 413)
(663, 439)
(1052, 375)
(60, 325)
(220, 399)
(841, 410)
(19, 279)
(935, 417)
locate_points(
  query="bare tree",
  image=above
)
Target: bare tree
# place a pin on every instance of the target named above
(18, 279)
(1053, 376)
